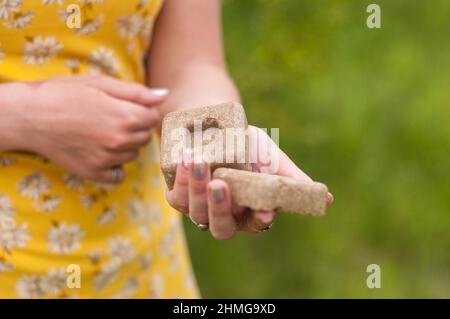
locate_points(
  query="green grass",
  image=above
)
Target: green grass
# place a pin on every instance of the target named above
(368, 113)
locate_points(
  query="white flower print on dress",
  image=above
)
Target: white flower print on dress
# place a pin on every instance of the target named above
(103, 60)
(138, 214)
(72, 181)
(21, 20)
(49, 203)
(59, 2)
(156, 181)
(6, 161)
(155, 212)
(5, 267)
(121, 249)
(167, 244)
(14, 236)
(146, 29)
(7, 212)
(189, 281)
(30, 287)
(128, 290)
(146, 260)
(107, 274)
(33, 186)
(156, 286)
(174, 263)
(90, 26)
(93, 1)
(87, 201)
(39, 50)
(7, 7)
(54, 282)
(2, 55)
(130, 25)
(105, 186)
(108, 216)
(64, 238)
(136, 211)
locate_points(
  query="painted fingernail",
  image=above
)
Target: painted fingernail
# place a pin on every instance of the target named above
(330, 198)
(199, 171)
(217, 195)
(159, 92)
(266, 217)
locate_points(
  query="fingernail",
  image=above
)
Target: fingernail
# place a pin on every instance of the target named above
(266, 217)
(217, 195)
(199, 170)
(159, 92)
(330, 198)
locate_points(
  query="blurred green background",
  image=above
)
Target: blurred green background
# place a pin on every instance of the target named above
(367, 111)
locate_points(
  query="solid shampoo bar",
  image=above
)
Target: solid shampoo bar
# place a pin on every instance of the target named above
(224, 119)
(261, 191)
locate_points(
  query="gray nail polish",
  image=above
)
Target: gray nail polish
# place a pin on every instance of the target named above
(199, 171)
(218, 195)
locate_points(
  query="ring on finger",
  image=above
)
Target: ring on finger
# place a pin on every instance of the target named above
(202, 227)
(116, 174)
(267, 228)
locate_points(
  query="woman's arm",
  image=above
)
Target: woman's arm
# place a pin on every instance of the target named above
(12, 102)
(87, 125)
(187, 56)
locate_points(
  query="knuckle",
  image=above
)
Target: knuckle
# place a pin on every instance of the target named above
(117, 141)
(130, 121)
(178, 204)
(94, 174)
(182, 207)
(101, 160)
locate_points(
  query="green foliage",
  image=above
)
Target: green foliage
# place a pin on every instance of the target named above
(367, 112)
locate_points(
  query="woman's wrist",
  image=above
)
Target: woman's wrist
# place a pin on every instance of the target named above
(15, 98)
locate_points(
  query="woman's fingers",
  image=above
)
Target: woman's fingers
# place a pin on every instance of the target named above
(271, 159)
(178, 197)
(199, 177)
(255, 221)
(124, 90)
(108, 175)
(221, 220)
(123, 158)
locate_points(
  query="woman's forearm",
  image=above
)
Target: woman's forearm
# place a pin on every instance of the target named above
(13, 100)
(198, 85)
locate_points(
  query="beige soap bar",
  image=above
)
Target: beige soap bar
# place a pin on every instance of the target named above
(261, 191)
(220, 117)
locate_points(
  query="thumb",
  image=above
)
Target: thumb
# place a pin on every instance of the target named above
(129, 91)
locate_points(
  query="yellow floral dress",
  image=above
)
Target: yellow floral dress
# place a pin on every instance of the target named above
(123, 241)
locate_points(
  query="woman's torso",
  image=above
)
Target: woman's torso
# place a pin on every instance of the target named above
(125, 239)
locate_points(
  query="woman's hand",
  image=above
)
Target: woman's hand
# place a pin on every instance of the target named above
(208, 202)
(85, 124)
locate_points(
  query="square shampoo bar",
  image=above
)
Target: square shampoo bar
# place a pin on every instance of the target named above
(261, 191)
(217, 132)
